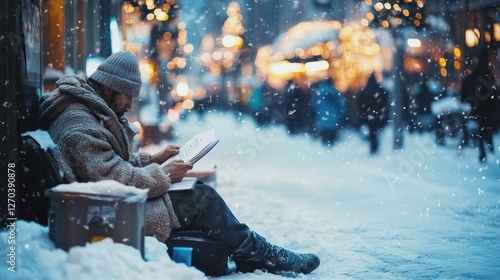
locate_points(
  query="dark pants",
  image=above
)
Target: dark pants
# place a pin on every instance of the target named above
(203, 209)
(485, 139)
(328, 136)
(373, 137)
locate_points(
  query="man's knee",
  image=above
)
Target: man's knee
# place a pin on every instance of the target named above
(196, 200)
(205, 190)
(205, 194)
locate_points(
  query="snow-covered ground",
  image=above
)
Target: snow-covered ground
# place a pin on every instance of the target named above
(425, 212)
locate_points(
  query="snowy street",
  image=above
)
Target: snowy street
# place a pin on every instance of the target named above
(365, 134)
(424, 212)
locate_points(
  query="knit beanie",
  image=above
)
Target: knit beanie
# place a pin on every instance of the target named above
(120, 72)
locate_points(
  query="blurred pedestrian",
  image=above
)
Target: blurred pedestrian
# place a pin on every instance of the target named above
(373, 110)
(479, 89)
(260, 104)
(329, 110)
(297, 105)
(423, 119)
(424, 97)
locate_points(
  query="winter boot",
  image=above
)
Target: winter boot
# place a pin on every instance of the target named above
(255, 253)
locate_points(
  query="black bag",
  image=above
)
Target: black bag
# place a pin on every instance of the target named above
(39, 173)
(209, 255)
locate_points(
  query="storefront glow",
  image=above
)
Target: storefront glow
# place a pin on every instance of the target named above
(314, 66)
(414, 43)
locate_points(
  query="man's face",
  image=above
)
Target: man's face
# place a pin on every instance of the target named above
(120, 103)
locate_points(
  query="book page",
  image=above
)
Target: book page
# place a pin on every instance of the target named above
(196, 148)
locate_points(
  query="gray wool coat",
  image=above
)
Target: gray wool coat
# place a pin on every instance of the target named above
(93, 144)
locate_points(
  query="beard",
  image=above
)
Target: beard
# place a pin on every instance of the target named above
(114, 106)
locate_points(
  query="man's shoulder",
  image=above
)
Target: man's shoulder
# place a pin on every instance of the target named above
(76, 129)
(77, 115)
(77, 109)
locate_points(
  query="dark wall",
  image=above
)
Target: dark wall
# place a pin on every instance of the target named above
(20, 81)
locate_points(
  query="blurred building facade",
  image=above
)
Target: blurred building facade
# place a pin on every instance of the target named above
(74, 30)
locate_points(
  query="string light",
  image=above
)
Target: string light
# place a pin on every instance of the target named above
(407, 13)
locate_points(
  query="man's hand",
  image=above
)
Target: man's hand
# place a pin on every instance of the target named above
(200, 173)
(163, 155)
(177, 170)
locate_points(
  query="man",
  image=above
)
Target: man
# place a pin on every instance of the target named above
(85, 118)
(373, 110)
(329, 108)
(480, 92)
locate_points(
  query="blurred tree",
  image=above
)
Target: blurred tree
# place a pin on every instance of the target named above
(224, 55)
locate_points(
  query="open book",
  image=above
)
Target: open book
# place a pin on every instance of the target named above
(191, 152)
(187, 183)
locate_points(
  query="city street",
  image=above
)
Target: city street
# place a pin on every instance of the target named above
(364, 132)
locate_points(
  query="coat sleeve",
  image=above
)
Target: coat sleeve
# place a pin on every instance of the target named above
(92, 158)
(140, 159)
